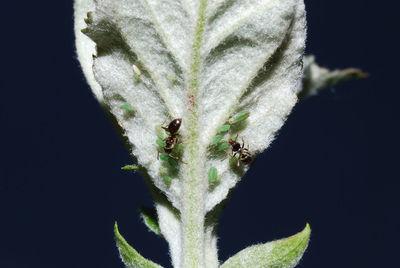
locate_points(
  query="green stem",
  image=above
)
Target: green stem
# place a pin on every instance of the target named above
(194, 181)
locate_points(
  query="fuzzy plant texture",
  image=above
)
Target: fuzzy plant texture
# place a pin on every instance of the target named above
(231, 72)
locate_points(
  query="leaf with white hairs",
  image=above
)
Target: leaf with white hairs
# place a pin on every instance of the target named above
(205, 62)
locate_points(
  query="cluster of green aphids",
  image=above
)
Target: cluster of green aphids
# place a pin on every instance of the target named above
(222, 145)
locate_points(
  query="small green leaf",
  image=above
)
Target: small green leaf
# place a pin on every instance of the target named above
(239, 117)
(224, 128)
(160, 142)
(212, 175)
(217, 139)
(150, 219)
(284, 253)
(127, 107)
(130, 257)
(223, 146)
(130, 167)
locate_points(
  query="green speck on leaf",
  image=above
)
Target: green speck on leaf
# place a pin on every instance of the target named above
(212, 175)
(171, 78)
(167, 179)
(217, 139)
(239, 117)
(224, 128)
(223, 146)
(127, 107)
(233, 161)
(164, 157)
(160, 143)
(160, 133)
(172, 162)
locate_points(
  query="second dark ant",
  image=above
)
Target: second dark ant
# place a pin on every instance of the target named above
(172, 140)
(244, 155)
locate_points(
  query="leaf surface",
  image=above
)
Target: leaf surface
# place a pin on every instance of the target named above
(130, 257)
(284, 253)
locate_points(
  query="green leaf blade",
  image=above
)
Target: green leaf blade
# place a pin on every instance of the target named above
(130, 167)
(130, 257)
(149, 217)
(284, 253)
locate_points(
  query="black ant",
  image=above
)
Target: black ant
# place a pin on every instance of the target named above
(244, 156)
(172, 140)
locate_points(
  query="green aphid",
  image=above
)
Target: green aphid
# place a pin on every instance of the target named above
(177, 152)
(239, 117)
(160, 133)
(217, 139)
(127, 107)
(167, 179)
(212, 175)
(136, 72)
(160, 143)
(171, 78)
(89, 18)
(233, 161)
(164, 157)
(222, 146)
(130, 167)
(172, 162)
(224, 128)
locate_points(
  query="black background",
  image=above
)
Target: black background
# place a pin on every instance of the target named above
(334, 163)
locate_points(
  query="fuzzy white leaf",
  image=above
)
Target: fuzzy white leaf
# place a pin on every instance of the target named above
(249, 60)
(86, 48)
(202, 61)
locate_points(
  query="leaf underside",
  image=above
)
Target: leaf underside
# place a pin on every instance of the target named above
(284, 253)
(130, 257)
(255, 70)
(205, 62)
(150, 219)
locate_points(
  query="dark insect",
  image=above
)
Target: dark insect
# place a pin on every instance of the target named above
(172, 140)
(173, 126)
(244, 155)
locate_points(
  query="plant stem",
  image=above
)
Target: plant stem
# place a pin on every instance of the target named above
(194, 181)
